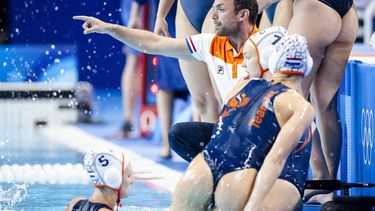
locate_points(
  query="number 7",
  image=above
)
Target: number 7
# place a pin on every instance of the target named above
(278, 38)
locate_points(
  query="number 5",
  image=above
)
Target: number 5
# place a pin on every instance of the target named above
(104, 162)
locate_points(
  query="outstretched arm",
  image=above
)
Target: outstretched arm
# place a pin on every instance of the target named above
(161, 25)
(141, 40)
(299, 115)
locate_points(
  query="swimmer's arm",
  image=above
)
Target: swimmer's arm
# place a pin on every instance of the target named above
(141, 40)
(161, 25)
(301, 115)
(264, 4)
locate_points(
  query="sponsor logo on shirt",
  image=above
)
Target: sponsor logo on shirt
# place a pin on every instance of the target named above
(220, 69)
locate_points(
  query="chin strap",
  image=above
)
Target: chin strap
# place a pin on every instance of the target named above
(118, 202)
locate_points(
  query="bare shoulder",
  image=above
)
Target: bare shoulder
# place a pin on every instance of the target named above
(289, 103)
(104, 209)
(291, 99)
(73, 202)
(237, 88)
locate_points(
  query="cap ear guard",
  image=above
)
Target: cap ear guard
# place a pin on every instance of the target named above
(265, 56)
(112, 178)
(273, 61)
(106, 168)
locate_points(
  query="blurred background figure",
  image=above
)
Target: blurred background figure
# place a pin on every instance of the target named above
(84, 97)
(3, 21)
(192, 20)
(131, 78)
(171, 84)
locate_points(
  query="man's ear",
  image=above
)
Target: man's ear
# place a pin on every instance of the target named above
(244, 14)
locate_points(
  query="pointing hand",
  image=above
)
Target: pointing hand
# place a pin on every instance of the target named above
(93, 25)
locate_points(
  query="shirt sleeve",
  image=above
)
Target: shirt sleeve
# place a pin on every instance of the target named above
(199, 45)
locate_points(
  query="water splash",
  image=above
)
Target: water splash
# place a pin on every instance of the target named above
(16, 193)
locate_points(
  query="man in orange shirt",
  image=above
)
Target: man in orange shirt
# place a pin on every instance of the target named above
(234, 22)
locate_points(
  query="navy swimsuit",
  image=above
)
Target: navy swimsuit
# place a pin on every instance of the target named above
(196, 11)
(341, 6)
(246, 131)
(86, 205)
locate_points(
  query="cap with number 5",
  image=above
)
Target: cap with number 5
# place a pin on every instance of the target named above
(106, 167)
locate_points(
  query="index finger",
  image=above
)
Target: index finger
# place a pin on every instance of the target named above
(81, 17)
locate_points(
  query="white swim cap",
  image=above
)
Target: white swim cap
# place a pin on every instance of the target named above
(106, 167)
(291, 57)
(266, 42)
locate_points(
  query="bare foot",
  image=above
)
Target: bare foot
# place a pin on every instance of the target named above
(309, 193)
(165, 153)
(319, 198)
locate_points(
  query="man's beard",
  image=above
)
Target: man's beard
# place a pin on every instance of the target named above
(227, 31)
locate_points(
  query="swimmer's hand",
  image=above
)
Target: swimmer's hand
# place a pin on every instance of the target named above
(94, 25)
(161, 27)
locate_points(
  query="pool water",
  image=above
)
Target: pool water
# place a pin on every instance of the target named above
(29, 150)
(56, 197)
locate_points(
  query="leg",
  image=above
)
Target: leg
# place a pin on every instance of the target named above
(317, 160)
(278, 14)
(318, 17)
(165, 109)
(208, 24)
(234, 188)
(196, 116)
(188, 139)
(320, 172)
(196, 74)
(283, 13)
(264, 21)
(130, 88)
(273, 201)
(325, 87)
(334, 45)
(194, 190)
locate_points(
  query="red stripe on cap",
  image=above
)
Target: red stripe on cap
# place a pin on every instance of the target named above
(297, 59)
(290, 72)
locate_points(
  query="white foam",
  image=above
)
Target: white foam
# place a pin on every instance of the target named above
(44, 174)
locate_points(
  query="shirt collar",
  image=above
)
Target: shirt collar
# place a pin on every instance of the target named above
(229, 46)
